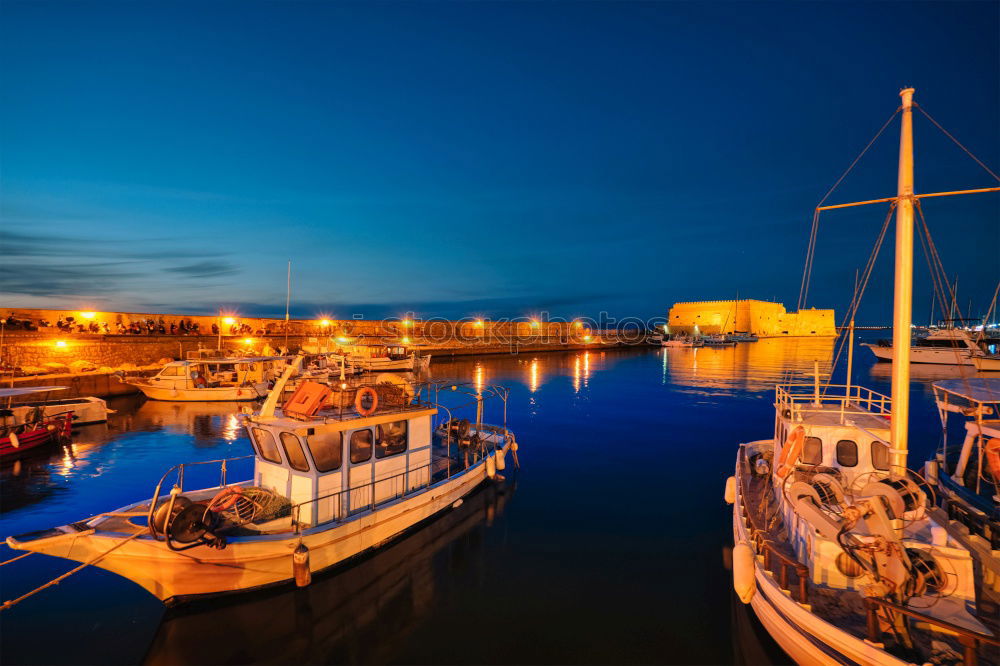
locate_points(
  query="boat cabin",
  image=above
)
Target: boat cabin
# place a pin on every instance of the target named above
(845, 431)
(340, 464)
(212, 373)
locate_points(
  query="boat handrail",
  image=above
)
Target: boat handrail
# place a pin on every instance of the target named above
(969, 639)
(769, 548)
(797, 397)
(179, 484)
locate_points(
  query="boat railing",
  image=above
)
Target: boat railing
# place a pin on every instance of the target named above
(772, 554)
(178, 487)
(799, 397)
(971, 640)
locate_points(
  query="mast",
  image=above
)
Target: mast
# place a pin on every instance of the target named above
(903, 292)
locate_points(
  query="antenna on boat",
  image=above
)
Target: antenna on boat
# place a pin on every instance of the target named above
(903, 291)
(850, 338)
(288, 301)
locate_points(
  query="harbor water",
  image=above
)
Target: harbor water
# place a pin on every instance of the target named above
(608, 545)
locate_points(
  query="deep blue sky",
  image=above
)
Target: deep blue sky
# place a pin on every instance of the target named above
(479, 158)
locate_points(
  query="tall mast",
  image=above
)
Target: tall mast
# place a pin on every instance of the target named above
(903, 293)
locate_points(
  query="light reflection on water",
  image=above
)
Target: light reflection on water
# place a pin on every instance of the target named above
(615, 530)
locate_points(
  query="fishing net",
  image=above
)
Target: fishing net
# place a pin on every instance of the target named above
(257, 505)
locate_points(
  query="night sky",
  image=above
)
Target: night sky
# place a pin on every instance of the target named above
(492, 159)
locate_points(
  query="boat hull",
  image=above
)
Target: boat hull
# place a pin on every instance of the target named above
(987, 363)
(939, 356)
(85, 410)
(216, 394)
(250, 563)
(45, 433)
(806, 637)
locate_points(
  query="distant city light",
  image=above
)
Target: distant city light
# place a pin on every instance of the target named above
(479, 323)
(248, 341)
(407, 322)
(88, 315)
(406, 340)
(534, 324)
(228, 321)
(324, 323)
(341, 339)
(587, 338)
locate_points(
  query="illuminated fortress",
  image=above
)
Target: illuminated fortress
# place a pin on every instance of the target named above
(765, 319)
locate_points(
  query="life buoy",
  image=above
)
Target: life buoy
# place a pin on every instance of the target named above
(992, 451)
(14, 441)
(225, 498)
(359, 401)
(790, 451)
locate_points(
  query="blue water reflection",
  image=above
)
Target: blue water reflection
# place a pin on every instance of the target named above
(610, 550)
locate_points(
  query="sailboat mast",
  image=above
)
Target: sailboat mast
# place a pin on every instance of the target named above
(903, 292)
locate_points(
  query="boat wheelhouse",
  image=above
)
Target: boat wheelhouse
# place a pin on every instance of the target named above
(328, 483)
(225, 379)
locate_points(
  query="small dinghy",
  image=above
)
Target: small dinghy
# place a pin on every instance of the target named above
(27, 428)
(336, 473)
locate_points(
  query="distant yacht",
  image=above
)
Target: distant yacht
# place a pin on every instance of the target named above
(946, 346)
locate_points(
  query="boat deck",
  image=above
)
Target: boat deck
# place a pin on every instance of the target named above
(826, 414)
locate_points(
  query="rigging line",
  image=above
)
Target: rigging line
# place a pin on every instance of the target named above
(957, 142)
(810, 253)
(930, 243)
(860, 290)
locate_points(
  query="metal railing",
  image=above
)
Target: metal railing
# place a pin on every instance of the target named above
(798, 397)
(179, 485)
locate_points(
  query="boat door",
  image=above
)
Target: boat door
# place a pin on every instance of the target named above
(360, 447)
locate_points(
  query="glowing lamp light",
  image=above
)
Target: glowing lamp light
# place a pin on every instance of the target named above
(343, 386)
(325, 323)
(407, 322)
(406, 340)
(479, 323)
(587, 338)
(534, 324)
(341, 339)
(88, 315)
(248, 341)
(60, 343)
(228, 321)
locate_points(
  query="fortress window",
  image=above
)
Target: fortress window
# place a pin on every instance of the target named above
(847, 453)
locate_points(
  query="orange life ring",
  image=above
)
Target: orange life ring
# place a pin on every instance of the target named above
(225, 498)
(358, 401)
(992, 451)
(790, 451)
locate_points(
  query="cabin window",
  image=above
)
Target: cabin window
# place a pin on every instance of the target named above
(880, 455)
(327, 450)
(361, 446)
(812, 451)
(391, 439)
(268, 447)
(847, 453)
(293, 451)
(172, 371)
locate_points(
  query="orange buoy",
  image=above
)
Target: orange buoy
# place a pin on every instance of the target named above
(790, 451)
(225, 498)
(359, 401)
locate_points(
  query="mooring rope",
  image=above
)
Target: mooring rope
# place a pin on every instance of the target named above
(15, 559)
(59, 579)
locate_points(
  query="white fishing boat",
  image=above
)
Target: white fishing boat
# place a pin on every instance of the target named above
(683, 341)
(211, 379)
(838, 547)
(388, 358)
(743, 336)
(717, 340)
(86, 410)
(326, 486)
(945, 346)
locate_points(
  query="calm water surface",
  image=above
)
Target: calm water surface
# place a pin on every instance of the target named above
(606, 547)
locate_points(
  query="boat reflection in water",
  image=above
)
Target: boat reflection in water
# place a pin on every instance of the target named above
(343, 616)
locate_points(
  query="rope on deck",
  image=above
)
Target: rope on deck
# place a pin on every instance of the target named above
(59, 579)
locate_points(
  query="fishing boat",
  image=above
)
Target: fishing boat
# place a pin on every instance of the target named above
(389, 358)
(837, 546)
(35, 429)
(683, 341)
(945, 346)
(328, 484)
(743, 336)
(216, 379)
(718, 340)
(967, 471)
(86, 410)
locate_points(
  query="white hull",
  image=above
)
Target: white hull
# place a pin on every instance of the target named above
(386, 364)
(258, 561)
(938, 356)
(85, 410)
(217, 394)
(987, 363)
(807, 638)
